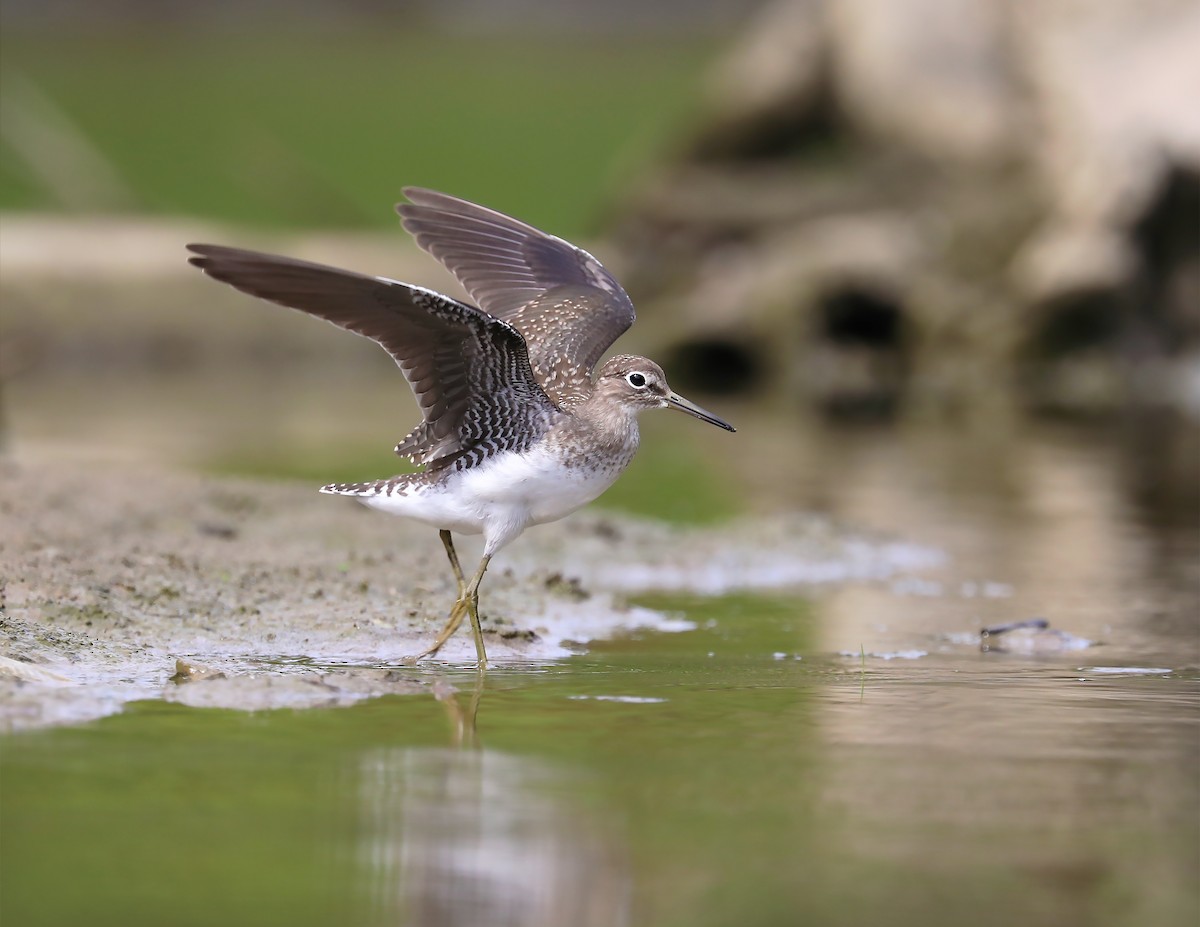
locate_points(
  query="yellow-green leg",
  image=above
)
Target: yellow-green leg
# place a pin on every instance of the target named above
(448, 543)
(472, 593)
(467, 604)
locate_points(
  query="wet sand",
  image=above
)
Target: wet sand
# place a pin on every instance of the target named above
(112, 574)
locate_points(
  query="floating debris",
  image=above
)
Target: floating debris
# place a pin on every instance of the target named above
(193, 672)
(1126, 670)
(885, 655)
(1031, 635)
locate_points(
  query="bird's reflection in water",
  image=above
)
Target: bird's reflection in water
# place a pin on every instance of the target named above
(469, 836)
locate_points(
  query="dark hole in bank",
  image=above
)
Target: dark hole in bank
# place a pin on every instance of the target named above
(1096, 352)
(715, 365)
(1081, 322)
(861, 350)
(1166, 309)
(861, 317)
(811, 130)
(1168, 233)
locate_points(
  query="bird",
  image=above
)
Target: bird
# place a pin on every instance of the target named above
(519, 427)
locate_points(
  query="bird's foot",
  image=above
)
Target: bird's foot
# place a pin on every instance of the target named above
(457, 613)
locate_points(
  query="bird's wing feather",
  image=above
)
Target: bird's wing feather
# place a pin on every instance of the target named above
(568, 307)
(470, 372)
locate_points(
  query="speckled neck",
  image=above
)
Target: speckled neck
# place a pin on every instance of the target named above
(601, 426)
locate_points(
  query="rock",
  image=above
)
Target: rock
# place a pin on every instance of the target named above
(1114, 86)
(1062, 261)
(186, 671)
(933, 202)
(770, 86)
(21, 671)
(930, 75)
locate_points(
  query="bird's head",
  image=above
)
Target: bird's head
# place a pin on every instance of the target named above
(637, 383)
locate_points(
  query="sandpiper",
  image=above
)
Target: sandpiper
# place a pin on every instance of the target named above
(515, 430)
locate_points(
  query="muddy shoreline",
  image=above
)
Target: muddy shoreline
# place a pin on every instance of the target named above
(115, 575)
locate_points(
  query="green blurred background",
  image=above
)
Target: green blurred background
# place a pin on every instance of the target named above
(759, 771)
(267, 123)
(320, 124)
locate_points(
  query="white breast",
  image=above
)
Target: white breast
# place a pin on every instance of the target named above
(536, 484)
(504, 495)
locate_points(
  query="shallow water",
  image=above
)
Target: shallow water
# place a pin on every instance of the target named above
(833, 754)
(739, 773)
(697, 778)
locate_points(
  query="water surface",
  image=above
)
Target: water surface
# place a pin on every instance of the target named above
(838, 754)
(734, 774)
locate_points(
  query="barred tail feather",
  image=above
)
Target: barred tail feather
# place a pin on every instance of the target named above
(354, 489)
(393, 486)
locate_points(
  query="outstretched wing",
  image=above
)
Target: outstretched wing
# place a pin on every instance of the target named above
(568, 307)
(470, 372)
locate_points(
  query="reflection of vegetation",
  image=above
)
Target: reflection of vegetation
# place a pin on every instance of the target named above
(741, 624)
(324, 129)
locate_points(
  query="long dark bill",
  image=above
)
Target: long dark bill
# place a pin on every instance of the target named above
(678, 402)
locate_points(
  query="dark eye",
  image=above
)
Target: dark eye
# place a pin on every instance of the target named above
(636, 380)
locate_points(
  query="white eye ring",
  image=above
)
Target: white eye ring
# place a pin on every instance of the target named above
(636, 380)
